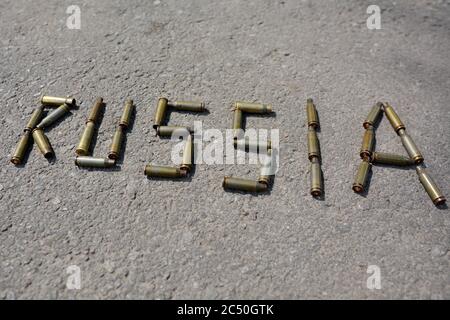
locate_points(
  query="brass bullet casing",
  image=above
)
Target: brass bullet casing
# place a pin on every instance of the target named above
(373, 116)
(42, 142)
(316, 178)
(430, 187)
(57, 101)
(91, 162)
(393, 118)
(95, 111)
(265, 179)
(391, 159)
(168, 131)
(410, 147)
(126, 115)
(193, 106)
(359, 186)
(163, 172)
(21, 148)
(160, 113)
(53, 116)
(86, 139)
(237, 123)
(250, 107)
(311, 113)
(313, 144)
(368, 144)
(188, 155)
(243, 185)
(35, 118)
(116, 144)
(247, 145)
(88, 133)
(267, 173)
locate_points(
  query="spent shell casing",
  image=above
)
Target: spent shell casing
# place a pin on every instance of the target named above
(53, 116)
(243, 185)
(410, 147)
(86, 139)
(176, 131)
(57, 101)
(192, 106)
(160, 113)
(35, 118)
(237, 123)
(267, 170)
(91, 162)
(359, 186)
(42, 142)
(163, 172)
(368, 144)
(126, 115)
(313, 144)
(391, 159)
(311, 113)
(248, 144)
(188, 154)
(96, 110)
(393, 117)
(316, 178)
(265, 179)
(373, 116)
(116, 144)
(430, 187)
(21, 148)
(251, 107)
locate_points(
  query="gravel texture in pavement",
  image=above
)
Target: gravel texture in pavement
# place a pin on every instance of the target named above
(133, 237)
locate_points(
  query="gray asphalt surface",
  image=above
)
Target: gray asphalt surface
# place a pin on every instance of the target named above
(137, 238)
